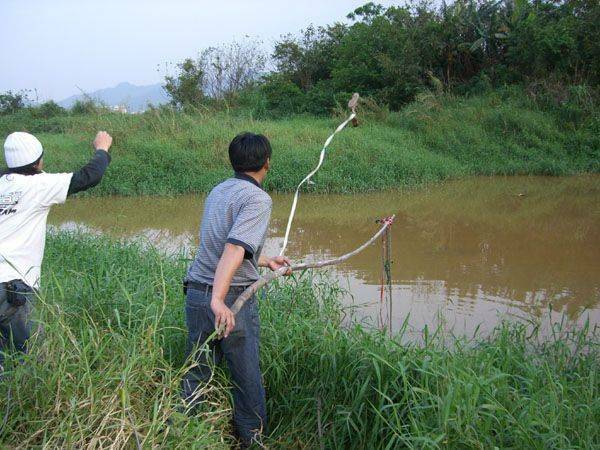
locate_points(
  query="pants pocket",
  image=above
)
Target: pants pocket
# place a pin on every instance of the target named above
(198, 315)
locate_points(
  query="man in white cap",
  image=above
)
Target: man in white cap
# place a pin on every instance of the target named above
(26, 195)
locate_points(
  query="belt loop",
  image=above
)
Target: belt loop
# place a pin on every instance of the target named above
(206, 290)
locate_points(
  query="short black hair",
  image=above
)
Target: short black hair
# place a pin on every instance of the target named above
(248, 152)
(27, 169)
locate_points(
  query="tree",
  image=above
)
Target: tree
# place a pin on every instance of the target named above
(11, 102)
(48, 109)
(85, 105)
(186, 88)
(231, 68)
(283, 97)
(391, 54)
(309, 58)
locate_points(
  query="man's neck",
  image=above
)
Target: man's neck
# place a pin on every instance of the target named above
(258, 176)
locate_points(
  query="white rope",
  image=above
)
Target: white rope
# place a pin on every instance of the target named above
(309, 176)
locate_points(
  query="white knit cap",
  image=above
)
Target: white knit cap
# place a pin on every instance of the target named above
(21, 149)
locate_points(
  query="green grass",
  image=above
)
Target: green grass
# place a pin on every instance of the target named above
(432, 139)
(108, 368)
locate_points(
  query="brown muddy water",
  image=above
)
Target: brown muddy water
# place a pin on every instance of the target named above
(466, 254)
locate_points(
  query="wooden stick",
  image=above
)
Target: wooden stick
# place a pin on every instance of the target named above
(251, 290)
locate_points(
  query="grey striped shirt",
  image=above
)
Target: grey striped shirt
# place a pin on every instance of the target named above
(237, 211)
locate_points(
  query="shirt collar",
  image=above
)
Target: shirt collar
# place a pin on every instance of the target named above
(243, 176)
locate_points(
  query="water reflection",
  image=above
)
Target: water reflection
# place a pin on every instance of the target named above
(466, 252)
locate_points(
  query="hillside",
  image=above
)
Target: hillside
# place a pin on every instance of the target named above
(432, 139)
(134, 98)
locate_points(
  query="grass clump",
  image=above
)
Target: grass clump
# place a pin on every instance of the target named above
(432, 139)
(108, 368)
(101, 371)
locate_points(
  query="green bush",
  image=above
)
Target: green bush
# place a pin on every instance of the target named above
(283, 98)
(12, 102)
(85, 106)
(47, 110)
(252, 100)
(323, 98)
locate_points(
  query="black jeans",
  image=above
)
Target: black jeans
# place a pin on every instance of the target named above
(14, 332)
(240, 350)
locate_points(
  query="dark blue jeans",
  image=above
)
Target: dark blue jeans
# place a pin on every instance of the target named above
(14, 332)
(240, 350)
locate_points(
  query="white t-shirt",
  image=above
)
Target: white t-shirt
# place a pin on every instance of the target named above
(25, 202)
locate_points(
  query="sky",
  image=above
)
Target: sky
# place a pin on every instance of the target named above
(60, 47)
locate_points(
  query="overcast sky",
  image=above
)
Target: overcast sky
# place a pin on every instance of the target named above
(58, 46)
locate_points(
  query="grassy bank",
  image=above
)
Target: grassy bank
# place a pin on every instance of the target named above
(435, 138)
(108, 368)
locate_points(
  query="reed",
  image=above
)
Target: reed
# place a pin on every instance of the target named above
(107, 369)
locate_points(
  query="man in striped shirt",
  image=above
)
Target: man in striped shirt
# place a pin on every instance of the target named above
(232, 234)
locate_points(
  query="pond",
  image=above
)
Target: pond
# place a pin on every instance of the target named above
(465, 254)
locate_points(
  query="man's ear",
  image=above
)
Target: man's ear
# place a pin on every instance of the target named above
(40, 165)
(267, 165)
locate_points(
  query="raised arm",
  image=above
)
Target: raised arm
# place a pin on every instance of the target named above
(91, 174)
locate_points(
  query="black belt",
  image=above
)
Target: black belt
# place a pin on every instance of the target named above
(208, 287)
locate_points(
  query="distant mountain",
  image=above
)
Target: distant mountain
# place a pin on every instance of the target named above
(134, 98)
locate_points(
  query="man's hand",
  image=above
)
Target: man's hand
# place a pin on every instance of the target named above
(103, 141)
(277, 262)
(223, 316)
